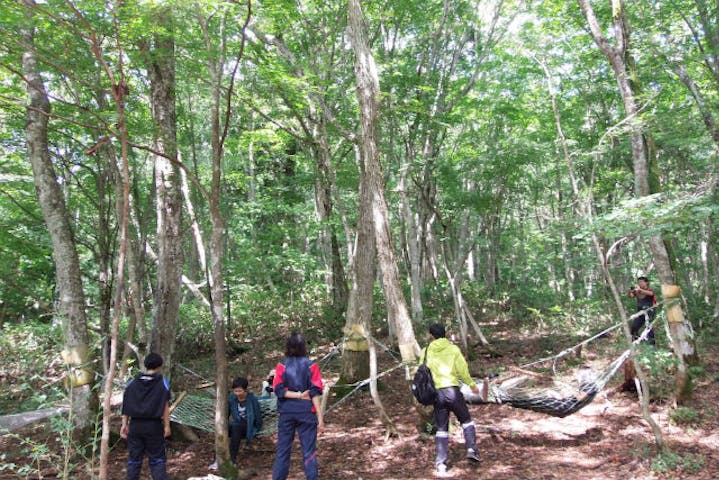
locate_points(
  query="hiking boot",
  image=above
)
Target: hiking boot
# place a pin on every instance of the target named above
(472, 455)
(440, 470)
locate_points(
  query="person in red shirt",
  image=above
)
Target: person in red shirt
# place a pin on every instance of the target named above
(298, 386)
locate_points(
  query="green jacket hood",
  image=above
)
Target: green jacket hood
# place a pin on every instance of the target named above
(436, 346)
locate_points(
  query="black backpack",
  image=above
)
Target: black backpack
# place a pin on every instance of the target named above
(423, 385)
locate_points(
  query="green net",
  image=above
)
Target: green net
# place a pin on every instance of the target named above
(198, 411)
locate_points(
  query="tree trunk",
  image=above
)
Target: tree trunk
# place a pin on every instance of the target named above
(122, 209)
(328, 242)
(368, 97)
(70, 294)
(413, 241)
(645, 180)
(641, 375)
(355, 357)
(169, 194)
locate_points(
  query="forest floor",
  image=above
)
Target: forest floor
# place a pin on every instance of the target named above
(608, 439)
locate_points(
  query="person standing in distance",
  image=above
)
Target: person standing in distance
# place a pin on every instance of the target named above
(646, 299)
(146, 420)
(448, 366)
(298, 386)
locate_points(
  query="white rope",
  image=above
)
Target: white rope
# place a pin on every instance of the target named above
(358, 385)
(572, 349)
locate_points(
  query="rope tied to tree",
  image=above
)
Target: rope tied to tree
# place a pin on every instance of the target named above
(568, 351)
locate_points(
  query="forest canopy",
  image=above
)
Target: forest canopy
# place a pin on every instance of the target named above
(184, 174)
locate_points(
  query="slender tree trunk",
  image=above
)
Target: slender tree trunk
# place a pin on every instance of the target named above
(215, 65)
(328, 239)
(218, 133)
(641, 375)
(169, 194)
(645, 180)
(71, 298)
(413, 241)
(122, 206)
(103, 183)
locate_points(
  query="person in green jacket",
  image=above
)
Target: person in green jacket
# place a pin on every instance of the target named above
(448, 366)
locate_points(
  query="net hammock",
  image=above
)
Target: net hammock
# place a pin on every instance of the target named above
(197, 410)
(560, 399)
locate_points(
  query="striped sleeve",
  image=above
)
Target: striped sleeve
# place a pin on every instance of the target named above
(315, 381)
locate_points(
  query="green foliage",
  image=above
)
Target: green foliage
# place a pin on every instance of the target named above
(660, 364)
(671, 462)
(33, 373)
(661, 212)
(686, 416)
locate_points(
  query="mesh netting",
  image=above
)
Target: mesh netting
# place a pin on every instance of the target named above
(198, 411)
(545, 401)
(559, 399)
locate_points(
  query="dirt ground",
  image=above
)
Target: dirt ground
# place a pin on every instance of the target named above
(608, 439)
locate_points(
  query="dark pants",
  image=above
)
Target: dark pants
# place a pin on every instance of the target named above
(451, 400)
(237, 433)
(146, 437)
(305, 424)
(638, 326)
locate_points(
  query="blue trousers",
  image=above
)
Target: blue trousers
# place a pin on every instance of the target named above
(146, 437)
(305, 424)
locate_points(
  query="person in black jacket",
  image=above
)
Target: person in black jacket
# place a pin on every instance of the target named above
(646, 300)
(146, 420)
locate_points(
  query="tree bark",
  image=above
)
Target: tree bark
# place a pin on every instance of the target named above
(169, 195)
(368, 96)
(70, 294)
(355, 357)
(645, 180)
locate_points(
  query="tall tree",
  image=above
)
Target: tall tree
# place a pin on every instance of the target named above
(70, 294)
(161, 69)
(620, 58)
(368, 96)
(216, 44)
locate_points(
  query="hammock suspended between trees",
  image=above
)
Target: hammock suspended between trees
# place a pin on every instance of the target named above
(559, 400)
(197, 410)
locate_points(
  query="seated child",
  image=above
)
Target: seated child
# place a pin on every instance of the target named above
(245, 416)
